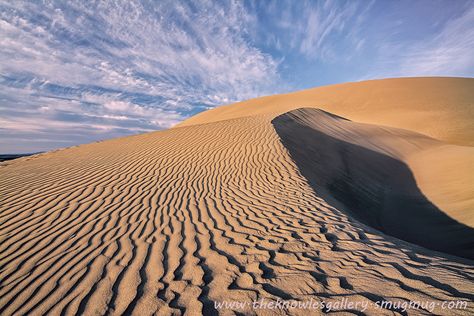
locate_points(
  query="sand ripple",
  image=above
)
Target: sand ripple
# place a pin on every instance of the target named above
(173, 221)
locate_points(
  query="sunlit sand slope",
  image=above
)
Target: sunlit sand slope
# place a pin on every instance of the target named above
(173, 222)
(442, 108)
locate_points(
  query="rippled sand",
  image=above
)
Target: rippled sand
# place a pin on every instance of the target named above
(226, 209)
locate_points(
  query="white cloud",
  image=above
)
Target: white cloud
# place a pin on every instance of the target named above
(149, 62)
(446, 52)
(450, 52)
(171, 50)
(308, 27)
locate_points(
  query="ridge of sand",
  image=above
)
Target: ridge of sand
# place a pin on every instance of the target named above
(440, 107)
(173, 221)
(386, 177)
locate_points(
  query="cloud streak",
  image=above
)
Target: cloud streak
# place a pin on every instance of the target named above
(450, 52)
(124, 62)
(446, 50)
(309, 28)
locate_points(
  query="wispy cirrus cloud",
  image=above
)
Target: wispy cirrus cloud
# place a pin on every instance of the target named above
(130, 65)
(450, 52)
(312, 29)
(445, 49)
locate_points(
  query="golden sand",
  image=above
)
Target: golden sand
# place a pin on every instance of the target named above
(236, 204)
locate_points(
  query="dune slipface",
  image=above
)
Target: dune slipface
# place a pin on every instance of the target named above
(369, 169)
(235, 209)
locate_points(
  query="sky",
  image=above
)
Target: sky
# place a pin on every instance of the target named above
(74, 72)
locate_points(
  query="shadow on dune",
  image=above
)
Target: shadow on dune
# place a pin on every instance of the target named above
(373, 187)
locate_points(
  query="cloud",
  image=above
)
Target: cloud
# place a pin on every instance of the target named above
(152, 63)
(444, 51)
(313, 29)
(450, 52)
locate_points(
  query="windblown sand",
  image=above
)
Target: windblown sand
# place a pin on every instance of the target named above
(252, 201)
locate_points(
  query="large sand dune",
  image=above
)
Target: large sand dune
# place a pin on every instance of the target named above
(231, 208)
(371, 170)
(438, 107)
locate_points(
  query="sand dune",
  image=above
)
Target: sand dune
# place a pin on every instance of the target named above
(175, 221)
(373, 171)
(438, 107)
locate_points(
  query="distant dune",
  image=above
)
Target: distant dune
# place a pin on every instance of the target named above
(6, 157)
(438, 107)
(359, 191)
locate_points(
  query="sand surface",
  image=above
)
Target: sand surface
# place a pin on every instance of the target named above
(234, 207)
(438, 107)
(385, 177)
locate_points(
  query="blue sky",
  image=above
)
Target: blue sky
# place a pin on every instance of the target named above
(74, 72)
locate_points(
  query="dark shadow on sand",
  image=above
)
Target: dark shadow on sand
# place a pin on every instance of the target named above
(377, 189)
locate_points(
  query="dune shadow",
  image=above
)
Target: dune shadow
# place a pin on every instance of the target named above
(372, 187)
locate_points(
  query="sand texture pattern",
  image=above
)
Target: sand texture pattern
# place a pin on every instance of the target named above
(239, 209)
